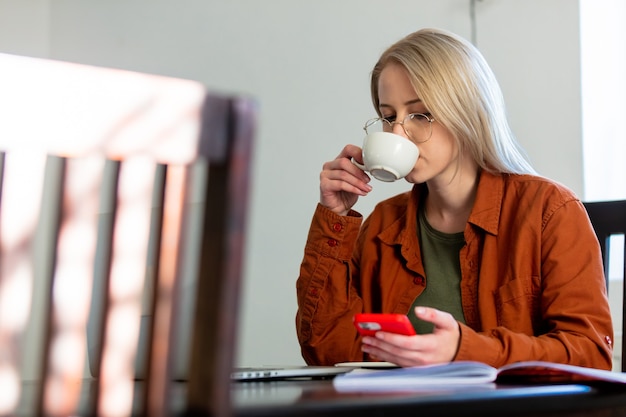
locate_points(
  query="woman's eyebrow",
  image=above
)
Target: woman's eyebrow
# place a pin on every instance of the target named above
(407, 103)
(414, 101)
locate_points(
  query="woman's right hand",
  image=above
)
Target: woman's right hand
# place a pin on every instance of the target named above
(342, 182)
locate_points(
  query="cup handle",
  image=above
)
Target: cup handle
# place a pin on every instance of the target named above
(362, 167)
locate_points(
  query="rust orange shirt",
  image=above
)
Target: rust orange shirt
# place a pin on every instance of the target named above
(532, 282)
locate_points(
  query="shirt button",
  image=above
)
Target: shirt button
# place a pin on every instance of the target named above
(313, 292)
(608, 340)
(337, 227)
(418, 280)
(332, 243)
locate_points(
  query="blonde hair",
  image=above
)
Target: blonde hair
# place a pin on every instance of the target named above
(461, 92)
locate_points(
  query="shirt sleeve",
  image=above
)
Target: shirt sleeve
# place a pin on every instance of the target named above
(327, 296)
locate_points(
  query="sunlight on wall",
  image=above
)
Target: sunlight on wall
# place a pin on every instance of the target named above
(603, 65)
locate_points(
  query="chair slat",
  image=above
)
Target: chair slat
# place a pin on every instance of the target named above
(128, 272)
(163, 340)
(20, 201)
(72, 285)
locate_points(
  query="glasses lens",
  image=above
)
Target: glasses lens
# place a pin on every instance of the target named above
(376, 125)
(418, 127)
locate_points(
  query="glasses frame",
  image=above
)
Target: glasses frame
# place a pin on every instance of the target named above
(409, 116)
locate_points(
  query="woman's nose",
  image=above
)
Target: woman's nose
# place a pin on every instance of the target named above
(398, 129)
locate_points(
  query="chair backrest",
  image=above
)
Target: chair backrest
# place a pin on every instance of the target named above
(609, 219)
(112, 182)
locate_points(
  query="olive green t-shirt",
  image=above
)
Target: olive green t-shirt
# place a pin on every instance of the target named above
(440, 255)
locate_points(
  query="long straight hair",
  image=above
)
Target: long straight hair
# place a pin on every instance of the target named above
(461, 92)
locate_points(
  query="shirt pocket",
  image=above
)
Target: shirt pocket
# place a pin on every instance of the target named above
(518, 305)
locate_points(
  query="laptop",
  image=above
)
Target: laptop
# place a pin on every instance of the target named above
(263, 373)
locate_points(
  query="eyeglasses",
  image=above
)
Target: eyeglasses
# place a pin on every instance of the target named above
(417, 126)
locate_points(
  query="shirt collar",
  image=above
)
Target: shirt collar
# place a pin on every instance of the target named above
(485, 213)
(488, 203)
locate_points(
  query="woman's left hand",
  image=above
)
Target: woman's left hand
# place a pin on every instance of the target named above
(438, 347)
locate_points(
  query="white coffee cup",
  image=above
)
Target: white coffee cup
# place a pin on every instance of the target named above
(387, 156)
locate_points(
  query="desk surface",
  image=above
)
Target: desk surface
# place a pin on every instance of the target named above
(303, 398)
(318, 398)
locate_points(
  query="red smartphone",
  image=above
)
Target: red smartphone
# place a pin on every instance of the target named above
(369, 323)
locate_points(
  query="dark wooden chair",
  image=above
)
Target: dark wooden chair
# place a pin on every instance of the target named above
(117, 179)
(609, 219)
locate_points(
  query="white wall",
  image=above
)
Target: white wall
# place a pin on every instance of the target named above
(308, 63)
(24, 27)
(534, 49)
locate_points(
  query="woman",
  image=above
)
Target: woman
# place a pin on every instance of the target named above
(491, 262)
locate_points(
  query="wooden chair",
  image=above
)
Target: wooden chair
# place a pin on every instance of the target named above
(608, 219)
(132, 178)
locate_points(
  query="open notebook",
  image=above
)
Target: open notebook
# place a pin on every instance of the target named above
(468, 373)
